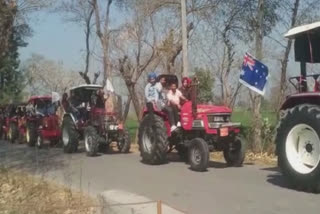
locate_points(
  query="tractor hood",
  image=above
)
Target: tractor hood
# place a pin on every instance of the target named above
(211, 109)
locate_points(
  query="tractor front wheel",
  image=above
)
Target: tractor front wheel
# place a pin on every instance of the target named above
(91, 141)
(70, 136)
(235, 152)
(124, 142)
(153, 142)
(199, 155)
(298, 147)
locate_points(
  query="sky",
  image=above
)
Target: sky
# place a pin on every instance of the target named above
(55, 40)
(61, 41)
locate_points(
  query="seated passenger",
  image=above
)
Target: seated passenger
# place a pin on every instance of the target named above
(152, 89)
(97, 99)
(185, 88)
(156, 94)
(174, 96)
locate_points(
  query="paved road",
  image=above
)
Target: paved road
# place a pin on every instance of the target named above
(220, 190)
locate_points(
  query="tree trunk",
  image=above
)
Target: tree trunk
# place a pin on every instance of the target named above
(88, 33)
(135, 101)
(257, 122)
(103, 37)
(284, 61)
(126, 109)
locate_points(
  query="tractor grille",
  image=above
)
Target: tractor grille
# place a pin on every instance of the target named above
(219, 118)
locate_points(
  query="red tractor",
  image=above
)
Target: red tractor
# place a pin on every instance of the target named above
(205, 128)
(42, 121)
(298, 131)
(88, 119)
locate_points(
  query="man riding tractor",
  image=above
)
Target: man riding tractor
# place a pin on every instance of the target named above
(87, 118)
(42, 121)
(204, 128)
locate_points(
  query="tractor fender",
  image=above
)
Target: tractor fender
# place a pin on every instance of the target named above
(312, 98)
(71, 116)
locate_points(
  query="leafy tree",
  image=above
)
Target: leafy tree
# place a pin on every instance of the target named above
(205, 88)
(11, 77)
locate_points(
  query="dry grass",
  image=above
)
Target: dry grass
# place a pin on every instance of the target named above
(251, 158)
(24, 194)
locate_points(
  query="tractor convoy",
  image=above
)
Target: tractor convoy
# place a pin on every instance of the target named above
(202, 128)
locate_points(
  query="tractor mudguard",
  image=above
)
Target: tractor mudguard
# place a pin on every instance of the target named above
(71, 116)
(312, 98)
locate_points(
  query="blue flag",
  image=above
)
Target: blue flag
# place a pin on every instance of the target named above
(254, 74)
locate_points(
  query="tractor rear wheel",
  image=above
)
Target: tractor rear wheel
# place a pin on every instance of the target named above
(91, 141)
(198, 155)
(70, 136)
(298, 147)
(153, 140)
(124, 142)
(13, 132)
(235, 152)
(31, 134)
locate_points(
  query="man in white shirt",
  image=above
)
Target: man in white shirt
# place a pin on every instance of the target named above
(174, 97)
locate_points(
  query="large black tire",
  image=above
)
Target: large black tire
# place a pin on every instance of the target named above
(91, 141)
(31, 134)
(70, 135)
(124, 142)
(198, 155)
(235, 152)
(153, 140)
(301, 116)
(13, 132)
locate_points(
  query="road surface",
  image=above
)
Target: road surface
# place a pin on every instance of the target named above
(220, 190)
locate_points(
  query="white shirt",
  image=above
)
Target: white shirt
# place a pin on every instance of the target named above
(174, 97)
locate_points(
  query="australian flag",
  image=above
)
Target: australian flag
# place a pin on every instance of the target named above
(254, 74)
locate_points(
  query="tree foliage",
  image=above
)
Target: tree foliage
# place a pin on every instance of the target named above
(11, 77)
(205, 88)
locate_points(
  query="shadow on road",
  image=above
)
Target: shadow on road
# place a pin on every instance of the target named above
(278, 180)
(218, 165)
(271, 169)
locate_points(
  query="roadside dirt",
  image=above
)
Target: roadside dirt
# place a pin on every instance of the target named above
(23, 194)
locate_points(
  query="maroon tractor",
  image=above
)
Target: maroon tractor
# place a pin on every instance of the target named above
(298, 131)
(42, 121)
(204, 129)
(87, 118)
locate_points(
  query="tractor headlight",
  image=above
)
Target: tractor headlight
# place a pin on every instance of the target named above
(197, 124)
(113, 127)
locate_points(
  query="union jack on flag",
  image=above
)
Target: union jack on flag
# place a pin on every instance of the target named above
(254, 74)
